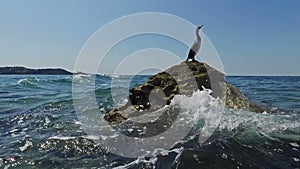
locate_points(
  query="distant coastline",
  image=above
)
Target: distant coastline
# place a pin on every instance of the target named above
(19, 70)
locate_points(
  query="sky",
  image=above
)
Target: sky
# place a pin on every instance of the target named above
(252, 37)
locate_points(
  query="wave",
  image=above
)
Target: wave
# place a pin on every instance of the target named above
(232, 119)
(235, 138)
(41, 81)
(27, 81)
(30, 83)
(61, 138)
(78, 76)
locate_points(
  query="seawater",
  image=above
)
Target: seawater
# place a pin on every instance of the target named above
(39, 127)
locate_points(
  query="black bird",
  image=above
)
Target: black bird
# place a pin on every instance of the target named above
(196, 45)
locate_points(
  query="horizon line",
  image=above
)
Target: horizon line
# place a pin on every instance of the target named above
(103, 74)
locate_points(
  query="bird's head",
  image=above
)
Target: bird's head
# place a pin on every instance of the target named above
(199, 27)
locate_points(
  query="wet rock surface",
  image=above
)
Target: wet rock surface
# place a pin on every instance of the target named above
(182, 79)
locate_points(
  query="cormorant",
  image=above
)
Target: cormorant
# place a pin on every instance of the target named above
(196, 45)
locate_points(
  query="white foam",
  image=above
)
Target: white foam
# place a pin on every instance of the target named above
(27, 81)
(25, 146)
(194, 108)
(61, 138)
(114, 76)
(23, 81)
(139, 160)
(296, 159)
(91, 137)
(232, 119)
(294, 144)
(80, 78)
(200, 105)
(14, 130)
(77, 122)
(47, 121)
(81, 75)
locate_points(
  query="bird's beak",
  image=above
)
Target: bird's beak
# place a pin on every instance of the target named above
(200, 26)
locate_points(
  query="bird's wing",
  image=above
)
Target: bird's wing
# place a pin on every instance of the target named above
(196, 46)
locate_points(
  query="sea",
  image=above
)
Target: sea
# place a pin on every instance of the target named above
(40, 128)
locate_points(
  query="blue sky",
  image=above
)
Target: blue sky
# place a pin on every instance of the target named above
(252, 37)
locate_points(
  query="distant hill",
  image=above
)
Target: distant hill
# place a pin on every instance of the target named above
(18, 70)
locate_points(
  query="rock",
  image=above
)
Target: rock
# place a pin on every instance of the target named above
(114, 117)
(236, 100)
(183, 79)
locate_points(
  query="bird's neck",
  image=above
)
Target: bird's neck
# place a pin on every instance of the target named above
(197, 35)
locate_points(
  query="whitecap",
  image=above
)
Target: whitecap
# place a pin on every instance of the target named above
(23, 81)
(232, 119)
(296, 159)
(294, 144)
(114, 76)
(61, 138)
(14, 130)
(81, 78)
(77, 122)
(91, 137)
(47, 121)
(25, 146)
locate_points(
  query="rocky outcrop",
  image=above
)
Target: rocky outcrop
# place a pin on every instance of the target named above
(183, 79)
(236, 100)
